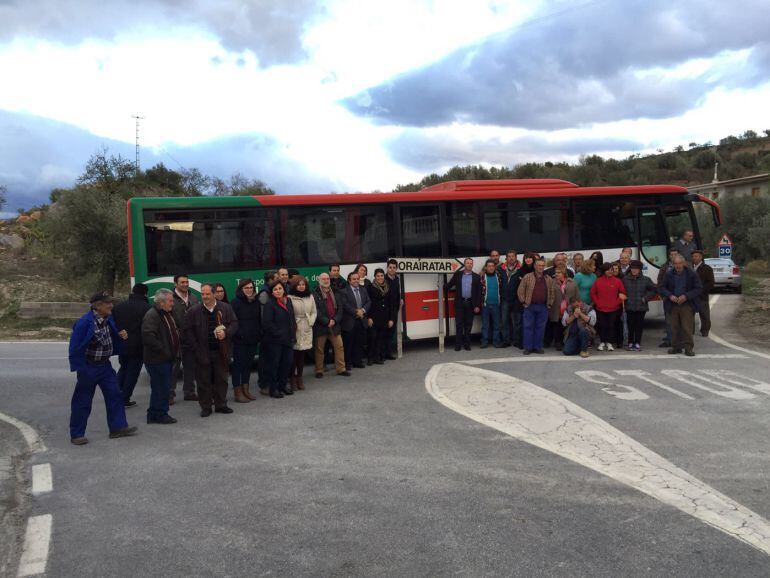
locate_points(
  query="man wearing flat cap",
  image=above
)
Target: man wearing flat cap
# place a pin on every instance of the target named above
(706, 276)
(95, 339)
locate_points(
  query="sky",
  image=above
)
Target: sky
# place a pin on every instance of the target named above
(359, 95)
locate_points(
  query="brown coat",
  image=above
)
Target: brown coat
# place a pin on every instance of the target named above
(570, 292)
(527, 286)
(196, 330)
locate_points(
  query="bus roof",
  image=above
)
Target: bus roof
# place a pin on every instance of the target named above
(449, 191)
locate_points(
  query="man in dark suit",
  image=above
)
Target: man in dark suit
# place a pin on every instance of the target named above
(467, 302)
(356, 305)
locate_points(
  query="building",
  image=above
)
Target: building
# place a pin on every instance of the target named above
(754, 186)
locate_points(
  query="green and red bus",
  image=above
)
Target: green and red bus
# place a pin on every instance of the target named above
(223, 239)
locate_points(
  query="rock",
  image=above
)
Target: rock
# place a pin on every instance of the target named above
(23, 219)
(36, 215)
(13, 242)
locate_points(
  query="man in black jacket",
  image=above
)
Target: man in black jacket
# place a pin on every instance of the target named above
(511, 307)
(467, 302)
(706, 276)
(128, 315)
(208, 330)
(160, 337)
(394, 282)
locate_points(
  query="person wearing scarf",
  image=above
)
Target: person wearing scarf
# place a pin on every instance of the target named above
(161, 348)
(566, 290)
(248, 311)
(209, 328)
(279, 334)
(328, 326)
(381, 316)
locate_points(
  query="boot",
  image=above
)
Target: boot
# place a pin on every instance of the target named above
(247, 393)
(298, 382)
(239, 397)
(292, 382)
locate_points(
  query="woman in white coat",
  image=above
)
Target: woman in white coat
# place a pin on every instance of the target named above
(305, 314)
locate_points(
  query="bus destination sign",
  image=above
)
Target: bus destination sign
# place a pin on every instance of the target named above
(428, 265)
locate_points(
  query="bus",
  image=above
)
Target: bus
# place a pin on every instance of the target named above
(224, 239)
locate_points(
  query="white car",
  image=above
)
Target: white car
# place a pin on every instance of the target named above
(727, 275)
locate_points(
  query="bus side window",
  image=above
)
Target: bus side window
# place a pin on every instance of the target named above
(601, 224)
(463, 229)
(420, 235)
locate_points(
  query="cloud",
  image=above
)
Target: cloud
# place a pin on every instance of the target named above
(598, 62)
(272, 29)
(37, 155)
(428, 152)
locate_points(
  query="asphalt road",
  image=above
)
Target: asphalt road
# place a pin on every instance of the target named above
(373, 475)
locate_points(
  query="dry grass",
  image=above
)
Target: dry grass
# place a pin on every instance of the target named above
(753, 321)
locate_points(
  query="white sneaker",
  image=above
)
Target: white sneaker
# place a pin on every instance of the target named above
(601, 347)
(609, 347)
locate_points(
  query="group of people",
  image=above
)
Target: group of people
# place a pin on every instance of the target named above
(588, 302)
(204, 342)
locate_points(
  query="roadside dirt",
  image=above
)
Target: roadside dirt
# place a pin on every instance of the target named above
(753, 320)
(26, 278)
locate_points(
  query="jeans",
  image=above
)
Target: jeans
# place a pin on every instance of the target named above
(576, 342)
(534, 319)
(103, 375)
(490, 321)
(128, 374)
(278, 360)
(243, 358)
(160, 386)
(511, 323)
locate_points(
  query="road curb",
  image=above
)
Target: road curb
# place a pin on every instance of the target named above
(14, 496)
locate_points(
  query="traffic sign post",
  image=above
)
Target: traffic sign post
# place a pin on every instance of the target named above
(725, 247)
(435, 266)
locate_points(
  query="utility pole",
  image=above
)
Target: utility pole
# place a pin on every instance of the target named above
(716, 166)
(136, 167)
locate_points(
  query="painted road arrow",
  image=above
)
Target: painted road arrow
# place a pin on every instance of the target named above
(539, 417)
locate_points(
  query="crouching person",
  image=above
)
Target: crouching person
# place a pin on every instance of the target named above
(579, 320)
(160, 338)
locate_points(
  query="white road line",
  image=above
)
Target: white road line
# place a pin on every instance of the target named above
(597, 357)
(42, 479)
(539, 417)
(31, 358)
(714, 337)
(33, 440)
(34, 557)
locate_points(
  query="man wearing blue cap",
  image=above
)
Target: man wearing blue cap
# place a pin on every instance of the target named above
(95, 339)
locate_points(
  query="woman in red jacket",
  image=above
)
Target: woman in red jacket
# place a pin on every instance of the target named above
(607, 294)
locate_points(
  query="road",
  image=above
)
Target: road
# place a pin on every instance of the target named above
(479, 463)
